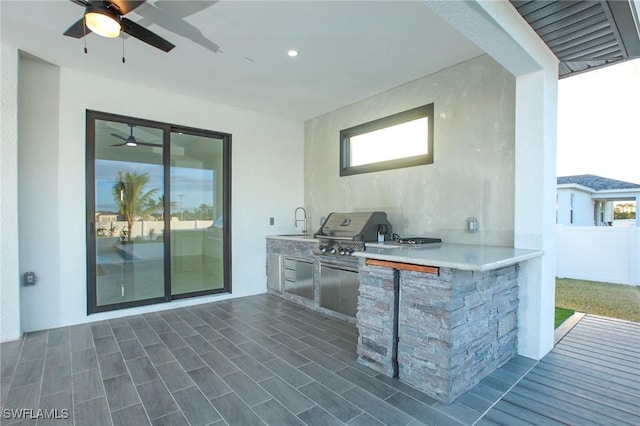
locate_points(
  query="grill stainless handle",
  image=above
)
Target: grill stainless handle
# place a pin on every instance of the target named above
(347, 265)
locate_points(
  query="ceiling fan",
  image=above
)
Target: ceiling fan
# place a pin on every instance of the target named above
(106, 18)
(131, 140)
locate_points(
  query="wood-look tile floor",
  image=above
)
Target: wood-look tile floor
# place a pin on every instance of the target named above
(263, 360)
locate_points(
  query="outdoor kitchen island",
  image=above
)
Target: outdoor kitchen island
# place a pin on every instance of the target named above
(440, 317)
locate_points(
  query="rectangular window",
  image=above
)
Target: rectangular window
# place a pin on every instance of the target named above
(400, 140)
(573, 199)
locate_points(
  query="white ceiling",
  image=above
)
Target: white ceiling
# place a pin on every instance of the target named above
(349, 50)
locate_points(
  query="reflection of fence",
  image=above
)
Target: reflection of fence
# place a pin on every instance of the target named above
(608, 254)
(149, 229)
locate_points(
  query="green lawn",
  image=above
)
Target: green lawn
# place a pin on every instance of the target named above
(609, 300)
(561, 315)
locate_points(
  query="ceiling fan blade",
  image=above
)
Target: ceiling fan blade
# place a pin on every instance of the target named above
(149, 144)
(115, 135)
(119, 144)
(81, 3)
(78, 29)
(126, 6)
(143, 34)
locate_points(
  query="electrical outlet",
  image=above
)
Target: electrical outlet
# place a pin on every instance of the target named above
(272, 221)
(29, 278)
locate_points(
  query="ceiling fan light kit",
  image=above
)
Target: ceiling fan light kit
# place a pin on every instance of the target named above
(102, 22)
(106, 18)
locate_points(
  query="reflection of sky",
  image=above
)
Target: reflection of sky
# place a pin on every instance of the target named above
(197, 185)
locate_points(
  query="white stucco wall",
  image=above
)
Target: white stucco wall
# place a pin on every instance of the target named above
(38, 222)
(9, 270)
(582, 207)
(267, 161)
(536, 112)
(473, 170)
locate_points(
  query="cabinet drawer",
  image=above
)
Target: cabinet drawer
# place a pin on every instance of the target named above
(290, 274)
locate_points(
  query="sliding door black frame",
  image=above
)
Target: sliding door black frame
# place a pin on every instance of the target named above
(91, 117)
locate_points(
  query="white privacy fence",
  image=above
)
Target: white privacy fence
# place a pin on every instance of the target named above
(147, 229)
(599, 253)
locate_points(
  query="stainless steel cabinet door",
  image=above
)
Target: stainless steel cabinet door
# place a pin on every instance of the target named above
(274, 272)
(298, 277)
(339, 289)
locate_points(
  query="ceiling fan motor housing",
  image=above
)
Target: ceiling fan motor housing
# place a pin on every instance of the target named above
(111, 14)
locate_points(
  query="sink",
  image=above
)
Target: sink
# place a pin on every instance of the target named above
(301, 236)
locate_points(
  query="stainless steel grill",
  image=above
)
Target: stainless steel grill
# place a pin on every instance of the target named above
(343, 233)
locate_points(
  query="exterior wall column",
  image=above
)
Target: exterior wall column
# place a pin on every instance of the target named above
(10, 328)
(498, 29)
(536, 107)
(635, 247)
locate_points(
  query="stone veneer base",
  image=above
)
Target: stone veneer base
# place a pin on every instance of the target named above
(454, 328)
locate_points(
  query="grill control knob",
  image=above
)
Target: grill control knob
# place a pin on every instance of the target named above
(332, 250)
(343, 251)
(323, 249)
(349, 251)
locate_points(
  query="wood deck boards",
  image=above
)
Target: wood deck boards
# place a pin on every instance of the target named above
(591, 377)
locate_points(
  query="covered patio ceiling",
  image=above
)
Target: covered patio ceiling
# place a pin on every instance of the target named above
(585, 35)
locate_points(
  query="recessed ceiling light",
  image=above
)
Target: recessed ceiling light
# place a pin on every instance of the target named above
(292, 53)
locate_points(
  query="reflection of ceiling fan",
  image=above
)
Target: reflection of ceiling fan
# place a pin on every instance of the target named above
(106, 18)
(131, 140)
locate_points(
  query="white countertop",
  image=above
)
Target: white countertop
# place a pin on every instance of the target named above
(455, 256)
(294, 237)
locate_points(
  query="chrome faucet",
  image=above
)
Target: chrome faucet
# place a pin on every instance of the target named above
(303, 220)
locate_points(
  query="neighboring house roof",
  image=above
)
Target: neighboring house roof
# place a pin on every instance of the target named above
(597, 183)
(584, 35)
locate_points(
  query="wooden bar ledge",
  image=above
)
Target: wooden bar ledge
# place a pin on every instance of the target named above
(403, 266)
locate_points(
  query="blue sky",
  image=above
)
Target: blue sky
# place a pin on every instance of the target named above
(197, 185)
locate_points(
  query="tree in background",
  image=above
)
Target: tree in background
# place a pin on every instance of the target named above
(129, 193)
(154, 208)
(204, 212)
(171, 205)
(624, 211)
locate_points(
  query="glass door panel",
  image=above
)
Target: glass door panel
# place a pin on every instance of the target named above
(197, 205)
(129, 182)
(157, 212)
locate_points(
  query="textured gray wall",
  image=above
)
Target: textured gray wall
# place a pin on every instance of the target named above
(473, 171)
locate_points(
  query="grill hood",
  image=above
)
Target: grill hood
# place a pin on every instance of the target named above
(360, 226)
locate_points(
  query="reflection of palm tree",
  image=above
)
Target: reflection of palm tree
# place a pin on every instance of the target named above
(155, 207)
(129, 193)
(161, 204)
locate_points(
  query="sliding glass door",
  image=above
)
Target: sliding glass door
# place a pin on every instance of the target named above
(197, 224)
(157, 195)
